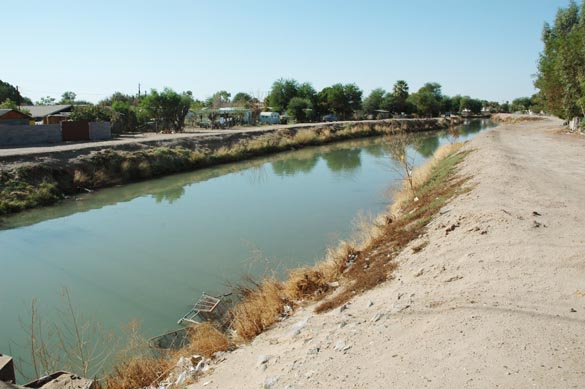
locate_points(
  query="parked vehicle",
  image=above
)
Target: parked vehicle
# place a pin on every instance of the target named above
(330, 118)
(269, 117)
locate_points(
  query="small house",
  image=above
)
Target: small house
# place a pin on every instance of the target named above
(269, 117)
(12, 117)
(49, 114)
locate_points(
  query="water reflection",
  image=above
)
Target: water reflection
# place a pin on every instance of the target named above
(426, 146)
(170, 196)
(293, 166)
(346, 161)
(375, 150)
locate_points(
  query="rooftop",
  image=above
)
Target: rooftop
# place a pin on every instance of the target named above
(41, 111)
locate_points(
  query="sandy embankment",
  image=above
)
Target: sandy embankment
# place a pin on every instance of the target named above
(497, 301)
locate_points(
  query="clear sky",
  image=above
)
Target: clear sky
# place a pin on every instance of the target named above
(483, 48)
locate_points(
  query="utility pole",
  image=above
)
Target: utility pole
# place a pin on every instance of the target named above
(138, 91)
(18, 97)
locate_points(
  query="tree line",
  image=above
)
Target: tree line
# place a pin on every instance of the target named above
(301, 102)
(561, 66)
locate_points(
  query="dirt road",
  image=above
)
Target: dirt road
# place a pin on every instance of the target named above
(497, 302)
(151, 137)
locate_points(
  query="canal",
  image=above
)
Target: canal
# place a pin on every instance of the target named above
(146, 251)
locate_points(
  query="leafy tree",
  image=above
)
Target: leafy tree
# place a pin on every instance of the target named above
(68, 98)
(340, 99)
(400, 96)
(125, 118)
(281, 93)
(9, 92)
(219, 99)
(306, 91)
(92, 113)
(561, 66)
(374, 101)
(427, 99)
(47, 100)
(8, 104)
(473, 105)
(388, 103)
(521, 104)
(167, 108)
(241, 99)
(118, 97)
(300, 108)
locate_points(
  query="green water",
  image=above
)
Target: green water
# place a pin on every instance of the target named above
(147, 250)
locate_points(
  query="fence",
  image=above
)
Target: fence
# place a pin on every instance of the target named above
(22, 135)
(28, 135)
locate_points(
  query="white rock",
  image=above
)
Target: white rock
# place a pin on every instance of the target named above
(262, 359)
(341, 346)
(270, 382)
(297, 327)
(376, 317)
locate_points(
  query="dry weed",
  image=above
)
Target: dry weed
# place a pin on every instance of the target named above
(259, 309)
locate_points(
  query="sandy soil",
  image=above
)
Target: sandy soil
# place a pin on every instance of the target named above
(497, 302)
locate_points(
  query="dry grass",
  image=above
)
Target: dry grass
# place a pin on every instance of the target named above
(138, 372)
(373, 264)
(516, 118)
(306, 136)
(139, 367)
(204, 339)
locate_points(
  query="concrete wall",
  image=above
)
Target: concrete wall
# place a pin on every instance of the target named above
(100, 130)
(14, 122)
(29, 135)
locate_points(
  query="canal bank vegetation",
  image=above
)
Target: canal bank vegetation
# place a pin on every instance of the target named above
(32, 185)
(349, 269)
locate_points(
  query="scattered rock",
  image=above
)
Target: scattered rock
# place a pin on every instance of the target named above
(573, 310)
(262, 360)
(534, 213)
(297, 327)
(454, 278)
(420, 272)
(369, 304)
(341, 346)
(451, 228)
(376, 317)
(342, 308)
(334, 284)
(270, 382)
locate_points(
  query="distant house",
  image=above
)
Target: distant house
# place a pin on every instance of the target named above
(13, 117)
(269, 117)
(49, 114)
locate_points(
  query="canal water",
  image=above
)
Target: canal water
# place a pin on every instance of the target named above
(146, 251)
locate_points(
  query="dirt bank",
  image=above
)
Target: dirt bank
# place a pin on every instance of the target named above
(495, 298)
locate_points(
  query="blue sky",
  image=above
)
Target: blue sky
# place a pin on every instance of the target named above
(485, 49)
